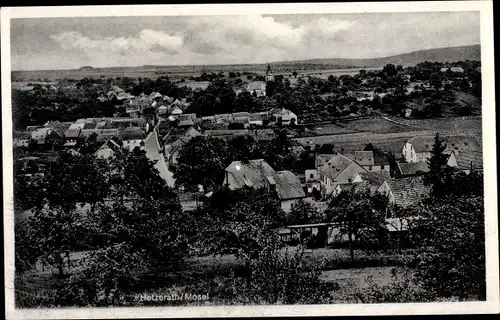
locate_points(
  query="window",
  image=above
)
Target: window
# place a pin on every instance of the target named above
(311, 176)
(382, 167)
(370, 168)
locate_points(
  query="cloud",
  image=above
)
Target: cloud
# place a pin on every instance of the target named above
(117, 41)
(146, 40)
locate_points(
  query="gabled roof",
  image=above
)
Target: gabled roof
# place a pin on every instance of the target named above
(240, 114)
(413, 168)
(364, 158)
(56, 125)
(375, 178)
(407, 191)
(72, 133)
(466, 159)
(176, 110)
(256, 117)
(256, 85)
(288, 186)
(453, 142)
(252, 173)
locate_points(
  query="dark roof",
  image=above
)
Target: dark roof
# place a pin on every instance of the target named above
(21, 135)
(133, 133)
(467, 158)
(89, 125)
(72, 133)
(407, 191)
(364, 158)
(288, 186)
(413, 168)
(455, 142)
(56, 125)
(375, 178)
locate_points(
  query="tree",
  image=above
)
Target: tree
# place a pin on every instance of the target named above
(452, 260)
(439, 175)
(202, 161)
(303, 212)
(356, 215)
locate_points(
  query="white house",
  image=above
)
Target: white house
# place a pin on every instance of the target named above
(284, 115)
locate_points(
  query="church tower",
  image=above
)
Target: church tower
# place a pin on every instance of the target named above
(269, 74)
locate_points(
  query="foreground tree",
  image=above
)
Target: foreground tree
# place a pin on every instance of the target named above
(358, 215)
(452, 260)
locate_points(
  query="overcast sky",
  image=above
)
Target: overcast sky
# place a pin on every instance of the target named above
(65, 43)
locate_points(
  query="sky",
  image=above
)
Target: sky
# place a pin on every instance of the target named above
(69, 43)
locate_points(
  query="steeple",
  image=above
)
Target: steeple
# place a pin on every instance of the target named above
(269, 74)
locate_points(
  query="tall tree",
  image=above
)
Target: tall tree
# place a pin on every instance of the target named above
(439, 175)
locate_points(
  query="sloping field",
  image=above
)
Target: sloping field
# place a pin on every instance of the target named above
(388, 142)
(375, 125)
(455, 124)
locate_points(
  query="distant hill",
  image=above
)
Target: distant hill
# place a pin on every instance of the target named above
(449, 54)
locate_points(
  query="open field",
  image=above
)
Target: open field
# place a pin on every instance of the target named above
(374, 125)
(452, 124)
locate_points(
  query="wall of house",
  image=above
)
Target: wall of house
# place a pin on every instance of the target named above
(409, 153)
(287, 205)
(312, 174)
(452, 161)
(385, 190)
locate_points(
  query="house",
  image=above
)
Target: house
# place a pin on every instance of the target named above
(186, 120)
(258, 88)
(404, 191)
(40, 135)
(132, 138)
(418, 149)
(225, 134)
(373, 180)
(55, 137)
(244, 121)
(256, 119)
(21, 139)
(175, 139)
(109, 149)
(162, 110)
(155, 95)
(411, 169)
(357, 186)
(312, 180)
(466, 161)
(259, 174)
(338, 169)
(284, 116)
(371, 161)
(72, 137)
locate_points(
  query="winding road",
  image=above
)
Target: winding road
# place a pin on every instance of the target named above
(152, 148)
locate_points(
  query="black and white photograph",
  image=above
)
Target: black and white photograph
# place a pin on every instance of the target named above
(209, 159)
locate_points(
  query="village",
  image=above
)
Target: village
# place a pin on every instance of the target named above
(391, 164)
